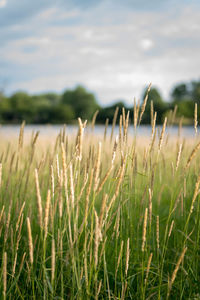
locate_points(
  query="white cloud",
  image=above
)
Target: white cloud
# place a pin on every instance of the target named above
(146, 44)
(114, 57)
(3, 3)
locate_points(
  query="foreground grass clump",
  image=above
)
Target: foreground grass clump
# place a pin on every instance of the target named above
(91, 217)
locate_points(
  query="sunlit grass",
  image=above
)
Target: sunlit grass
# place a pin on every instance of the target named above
(95, 217)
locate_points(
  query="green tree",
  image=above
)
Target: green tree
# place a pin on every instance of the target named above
(180, 92)
(108, 112)
(159, 106)
(20, 108)
(195, 91)
(5, 108)
(62, 113)
(186, 109)
(42, 109)
(83, 103)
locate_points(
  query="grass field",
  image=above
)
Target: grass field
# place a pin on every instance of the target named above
(100, 217)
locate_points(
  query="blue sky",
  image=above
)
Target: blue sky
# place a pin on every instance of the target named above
(113, 47)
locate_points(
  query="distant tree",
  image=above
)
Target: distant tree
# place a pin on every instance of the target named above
(62, 113)
(180, 92)
(83, 103)
(21, 108)
(195, 91)
(108, 112)
(159, 106)
(184, 95)
(5, 108)
(186, 109)
(41, 101)
(51, 98)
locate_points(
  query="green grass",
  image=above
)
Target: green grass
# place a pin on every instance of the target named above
(92, 257)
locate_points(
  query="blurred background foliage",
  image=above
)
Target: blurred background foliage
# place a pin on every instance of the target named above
(78, 102)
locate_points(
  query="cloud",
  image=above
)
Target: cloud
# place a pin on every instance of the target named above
(114, 48)
(146, 44)
(3, 3)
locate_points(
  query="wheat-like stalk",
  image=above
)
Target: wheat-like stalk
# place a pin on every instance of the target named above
(39, 201)
(153, 141)
(123, 118)
(98, 238)
(126, 126)
(21, 136)
(57, 166)
(53, 260)
(64, 167)
(150, 207)
(52, 182)
(178, 156)
(157, 232)
(196, 192)
(4, 274)
(124, 288)
(46, 215)
(115, 149)
(7, 225)
(30, 241)
(85, 262)
(71, 180)
(135, 114)
(2, 212)
(144, 229)
(153, 124)
(176, 270)
(170, 229)
(192, 155)
(195, 118)
(94, 119)
(119, 257)
(22, 262)
(19, 217)
(148, 268)
(152, 113)
(162, 134)
(144, 103)
(127, 256)
(120, 133)
(80, 139)
(60, 197)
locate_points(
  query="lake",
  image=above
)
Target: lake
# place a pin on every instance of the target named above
(52, 130)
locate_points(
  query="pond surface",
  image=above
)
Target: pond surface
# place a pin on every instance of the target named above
(48, 130)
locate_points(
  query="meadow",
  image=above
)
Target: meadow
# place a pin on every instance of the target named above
(90, 216)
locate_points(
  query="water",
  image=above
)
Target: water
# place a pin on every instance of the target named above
(52, 130)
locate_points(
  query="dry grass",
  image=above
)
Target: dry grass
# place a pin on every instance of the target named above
(100, 217)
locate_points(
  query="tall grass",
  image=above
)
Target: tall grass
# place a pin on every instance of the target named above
(100, 217)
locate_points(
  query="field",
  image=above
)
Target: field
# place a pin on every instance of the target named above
(99, 217)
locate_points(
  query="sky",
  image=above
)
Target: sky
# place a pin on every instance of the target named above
(114, 48)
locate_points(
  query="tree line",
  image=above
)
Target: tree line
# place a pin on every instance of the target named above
(78, 102)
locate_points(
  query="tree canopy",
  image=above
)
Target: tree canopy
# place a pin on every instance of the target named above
(83, 102)
(79, 102)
